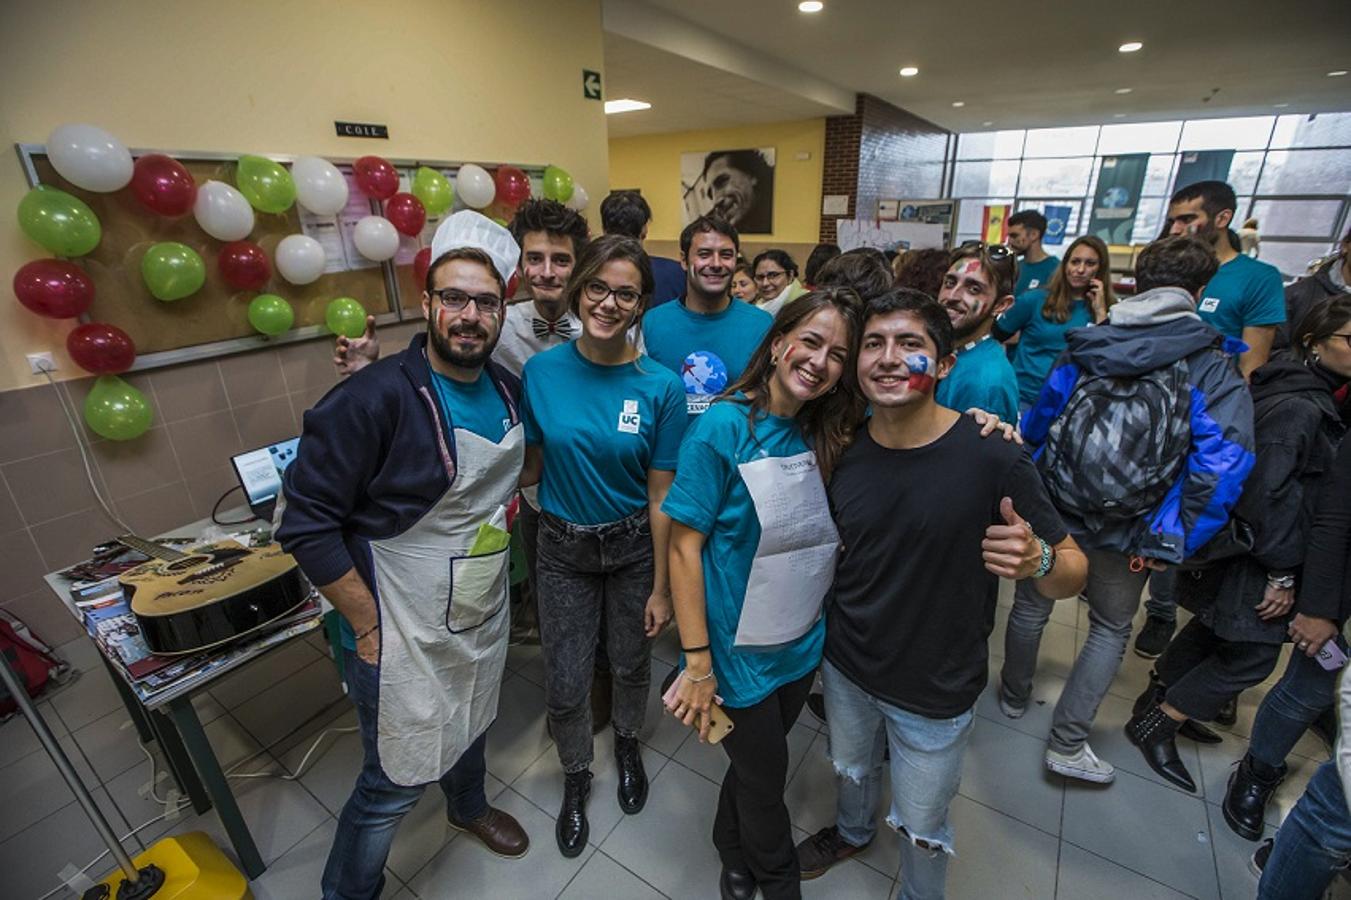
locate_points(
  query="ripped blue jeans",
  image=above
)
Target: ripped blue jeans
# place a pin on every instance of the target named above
(926, 767)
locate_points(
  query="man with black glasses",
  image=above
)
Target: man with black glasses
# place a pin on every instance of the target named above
(977, 288)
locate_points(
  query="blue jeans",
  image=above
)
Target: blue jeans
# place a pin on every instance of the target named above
(1314, 842)
(1162, 600)
(1304, 693)
(926, 767)
(356, 863)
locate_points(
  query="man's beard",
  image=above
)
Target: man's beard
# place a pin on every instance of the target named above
(443, 348)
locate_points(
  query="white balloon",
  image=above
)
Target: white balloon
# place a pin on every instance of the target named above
(300, 258)
(320, 187)
(376, 238)
(89, 157)
(223, 212)
(474, 186)
(579, 198)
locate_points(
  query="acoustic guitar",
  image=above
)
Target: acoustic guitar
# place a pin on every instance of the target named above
(186, 602)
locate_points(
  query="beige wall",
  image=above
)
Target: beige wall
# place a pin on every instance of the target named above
(651, 163)
(452, 80)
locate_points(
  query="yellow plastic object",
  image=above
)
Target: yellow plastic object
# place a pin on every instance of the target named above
(194, 869)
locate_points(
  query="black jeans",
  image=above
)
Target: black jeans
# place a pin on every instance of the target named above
(1202, 670)
(752, 829)
(1305, 692)
(584, 569)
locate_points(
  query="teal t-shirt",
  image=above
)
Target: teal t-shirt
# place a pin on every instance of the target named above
(707, 351)
(982, 378)
(1244, 292)
(1040, 340)
(709, 496)
(1035, 275)
(601, 428)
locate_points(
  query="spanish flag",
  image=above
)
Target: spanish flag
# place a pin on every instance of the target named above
(995, 226)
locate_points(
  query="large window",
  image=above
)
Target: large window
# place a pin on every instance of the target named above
(1292, 173)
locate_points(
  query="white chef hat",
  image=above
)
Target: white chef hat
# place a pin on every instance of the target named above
(471, 229)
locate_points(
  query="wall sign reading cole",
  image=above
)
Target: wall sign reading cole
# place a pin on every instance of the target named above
(361, 130)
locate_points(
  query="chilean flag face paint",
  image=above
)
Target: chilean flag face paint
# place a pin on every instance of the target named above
(921, 372)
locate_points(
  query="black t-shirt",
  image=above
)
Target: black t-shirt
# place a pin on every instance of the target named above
(912, 605)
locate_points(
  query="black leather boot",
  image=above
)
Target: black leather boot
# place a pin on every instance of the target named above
(572, 828)
(1154, 733)
(1153, 696)
(1245, 802)
(632, 777)
(736, 884)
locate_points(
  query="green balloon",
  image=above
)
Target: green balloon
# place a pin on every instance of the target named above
(172, 270)
(270, 314)
(433, 189)
(265, 184)
(116, 410)
(62, 223)
(346, 317)
(557, 184)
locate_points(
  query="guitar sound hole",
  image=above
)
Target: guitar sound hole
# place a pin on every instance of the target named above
(188, 562)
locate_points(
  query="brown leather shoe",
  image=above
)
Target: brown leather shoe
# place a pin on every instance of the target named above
(498, 831)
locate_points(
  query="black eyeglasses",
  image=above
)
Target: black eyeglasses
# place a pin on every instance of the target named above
(625, 298)
(455, 300)
(769, 276)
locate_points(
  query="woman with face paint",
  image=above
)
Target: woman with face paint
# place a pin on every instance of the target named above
(603, 425)
(1080, 293)
(750, 517)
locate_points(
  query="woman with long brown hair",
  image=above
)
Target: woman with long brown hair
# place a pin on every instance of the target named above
(752, 553)
(1080, 293)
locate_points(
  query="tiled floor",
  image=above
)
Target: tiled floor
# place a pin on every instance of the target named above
(1020, 832)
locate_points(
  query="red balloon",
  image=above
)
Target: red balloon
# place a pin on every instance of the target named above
(162, 185)
(101, 349)
(376, 177)
(421, 263)
(244, 266)
(406, 213)
(513, 186)
(54, 288)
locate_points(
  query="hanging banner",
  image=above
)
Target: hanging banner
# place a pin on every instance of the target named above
(1202, 165)
(994, 228)
(1057, 220)
(1118, 197)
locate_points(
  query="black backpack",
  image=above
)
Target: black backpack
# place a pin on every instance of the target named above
(1119, 444)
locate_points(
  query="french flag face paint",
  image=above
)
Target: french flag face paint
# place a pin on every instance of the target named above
(921, 372)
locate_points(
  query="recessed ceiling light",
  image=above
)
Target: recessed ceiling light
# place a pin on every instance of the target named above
(1123, 90)
(958, 104)
(909, 72)
(1280, 105)
(986, 124)
(1129, 47)
(810, 6)
(1118, 115)
(1337, 73)
(625, 105)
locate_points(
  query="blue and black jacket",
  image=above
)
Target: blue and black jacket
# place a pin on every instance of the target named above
(375, 455)
(1144, 333)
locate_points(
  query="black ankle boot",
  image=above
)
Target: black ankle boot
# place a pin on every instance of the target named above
(736, 884)
(1250, 790)
(632, 778)
(1154, 733)
(1153, 696)
(572, 828)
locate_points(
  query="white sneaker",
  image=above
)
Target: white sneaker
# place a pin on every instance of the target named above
(1083, 765)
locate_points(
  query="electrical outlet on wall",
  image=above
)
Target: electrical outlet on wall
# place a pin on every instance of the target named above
(41, 362)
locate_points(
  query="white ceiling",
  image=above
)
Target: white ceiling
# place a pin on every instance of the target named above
(1033, 64)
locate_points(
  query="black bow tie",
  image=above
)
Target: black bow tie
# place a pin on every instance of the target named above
(561, 327)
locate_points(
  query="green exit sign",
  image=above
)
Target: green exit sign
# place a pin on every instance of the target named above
(590, 84)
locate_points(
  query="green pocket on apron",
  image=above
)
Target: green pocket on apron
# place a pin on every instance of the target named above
(478, 589)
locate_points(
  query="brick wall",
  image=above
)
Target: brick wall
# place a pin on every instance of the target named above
(881, 152)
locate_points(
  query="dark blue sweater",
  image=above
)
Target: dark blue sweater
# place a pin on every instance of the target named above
(374, 456)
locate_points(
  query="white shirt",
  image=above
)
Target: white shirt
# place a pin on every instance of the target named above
(518, 341)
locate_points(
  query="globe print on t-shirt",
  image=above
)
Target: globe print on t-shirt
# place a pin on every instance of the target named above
(705, 376)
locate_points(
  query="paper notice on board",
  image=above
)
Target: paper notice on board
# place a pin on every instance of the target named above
(324, 229)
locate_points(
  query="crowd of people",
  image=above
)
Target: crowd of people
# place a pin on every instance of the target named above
(815, 474)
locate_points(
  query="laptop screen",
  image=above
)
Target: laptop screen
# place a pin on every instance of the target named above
(260, 471)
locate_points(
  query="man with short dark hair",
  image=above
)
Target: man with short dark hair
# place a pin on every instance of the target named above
(820, 255)
(977, 288)
(390, 531)
(930, 517)
(708, 337)
(1027, 227)
(627, 213)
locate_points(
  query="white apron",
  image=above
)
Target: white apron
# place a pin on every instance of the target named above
(444, 616)
(794, 562)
